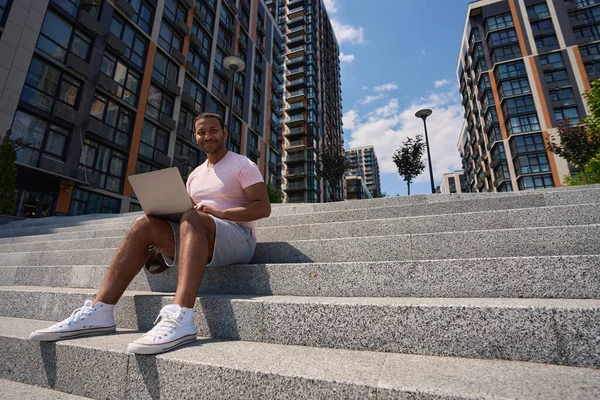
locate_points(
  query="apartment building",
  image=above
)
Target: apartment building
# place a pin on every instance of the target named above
(313, 104)
(103, 89)
(363, 163)
(523, 67)
(453, 182)
(356, 188)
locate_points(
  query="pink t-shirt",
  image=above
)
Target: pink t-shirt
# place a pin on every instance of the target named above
(222, 186)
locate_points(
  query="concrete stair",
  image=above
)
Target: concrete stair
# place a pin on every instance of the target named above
(428, 296)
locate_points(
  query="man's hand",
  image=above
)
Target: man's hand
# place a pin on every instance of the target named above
(211, 210)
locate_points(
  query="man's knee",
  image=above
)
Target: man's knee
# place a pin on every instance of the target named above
(144, 227)
(195, 221)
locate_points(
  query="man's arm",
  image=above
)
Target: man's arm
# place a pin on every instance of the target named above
(258, 206)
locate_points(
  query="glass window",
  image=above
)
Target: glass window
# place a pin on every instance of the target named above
(107, 163)
(4, 8)
(592, 32)
(514, 87)
(143, 14)
(535, 182)
(154, 140)
(209, 15)
(186, 119)
(196, 92)
(569, 113)
(521, 124)
(506, 53)
(585, 16)
(199, 62)
(510, 70)
(39, 137)
(164, 69)
(539, 10)
(128, 79)
(500, 38)
(136, 42)
(498, 22)
(174, 11)
(527, 144)
(158, 103)
(219, 86)
(552, 58)
(188, 157)
(168, 39)
(518, 105)
(204, 39)
(543, 27)
(118, 118)
(58, 37)
(45, 84)
(548, 42)
(559, 77)
(531, 163)
(84, 202)
(72, 6)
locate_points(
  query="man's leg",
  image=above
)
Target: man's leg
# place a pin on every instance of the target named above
(131, 254)
(197, 234)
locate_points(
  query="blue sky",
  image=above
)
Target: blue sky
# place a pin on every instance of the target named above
(398, 56)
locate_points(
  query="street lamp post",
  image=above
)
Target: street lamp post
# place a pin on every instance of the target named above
(423, 114)
(233, 64)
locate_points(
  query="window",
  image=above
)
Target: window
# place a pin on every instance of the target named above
(531, 163)
(487, 100)
(4, 9)
(563, 95)
(484, 83)
(510, 70)
(209, 15)
(219, 86)
(186, 119)
(173, 11)
(491, 116)
(107, 163)
(195, 59)
(501, 171)
(506, 53)
(535, 182)
(168, 39)
(216, 107)
(39, 137)
(498, 153)
(158, 103)
(500, 38)
(498, 22)
(143, 14)
(153, 141)
(227, 18)
(518, 105)
(235, 130)
(58, 37)
(188, 157)
(72, 6)
(527, 144)
(45, 84)
(538, 11)
(219, 57)
(547, 42)
(570, 113)
(136, 42)
(585, 16)
(224, 39)
(204, 39)
(126, 77)
(252, 146)
(84, 202)
(592, 32)
(196, 92)
(521, 124)
(474, 36)
(115, 116)
(560, 77)
(452, 184)
(555, 59)
(514, 87)
(544, 27)
(164, 69)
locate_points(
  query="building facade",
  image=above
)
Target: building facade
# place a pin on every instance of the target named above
(313, 104)
(453, 182)
(100, 90)
(356, 189)
(523, 67)
(363, 163)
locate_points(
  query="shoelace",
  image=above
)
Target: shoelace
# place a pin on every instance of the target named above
(166, 325)
(79, 313)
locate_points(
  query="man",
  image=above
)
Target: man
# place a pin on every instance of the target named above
(228, 193)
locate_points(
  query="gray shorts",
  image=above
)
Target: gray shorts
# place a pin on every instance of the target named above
(234, 244)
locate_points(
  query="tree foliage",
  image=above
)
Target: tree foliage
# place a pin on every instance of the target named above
(275, 195)
(409, 159)
(8, 173)
(592, 172)
(332, 166)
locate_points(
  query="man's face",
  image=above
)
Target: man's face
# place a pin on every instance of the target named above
(209, 135)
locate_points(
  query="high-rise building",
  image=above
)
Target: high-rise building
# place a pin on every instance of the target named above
(363, 163)
(356, 189)
(453, 182)
(522, 69)
(100, 90)
(313, 104)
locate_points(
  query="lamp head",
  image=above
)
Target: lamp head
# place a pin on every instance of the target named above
(234, 63)
(424, 113)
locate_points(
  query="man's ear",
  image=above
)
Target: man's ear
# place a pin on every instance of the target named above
(225, 133)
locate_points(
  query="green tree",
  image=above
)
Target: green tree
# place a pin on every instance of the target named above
(592, 170)
(8, 173)
(577, 144)
(332, 166)
(275, 195)
(409, 159)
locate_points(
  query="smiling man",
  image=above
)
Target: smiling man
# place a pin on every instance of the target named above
(228, 192)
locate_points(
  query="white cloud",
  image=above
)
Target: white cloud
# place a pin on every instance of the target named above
(330, 6)
(424, 52)
(441, 83)
(386, 127)
(385, 86)
(349, 119)
(370, 99)
(365, 87)
(346, 58)
(348, 33)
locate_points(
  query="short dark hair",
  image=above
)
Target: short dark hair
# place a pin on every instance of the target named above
(209, 115)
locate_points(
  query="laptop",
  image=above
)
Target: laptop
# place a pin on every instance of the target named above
(162, 193)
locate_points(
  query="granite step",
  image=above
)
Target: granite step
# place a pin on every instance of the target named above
(500, 219)
(552, 331)
(22, 391)
(224, 369)
(557, 240)
(520, 277)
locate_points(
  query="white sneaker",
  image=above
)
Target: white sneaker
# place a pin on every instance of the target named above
(85, 321)
(176, 328)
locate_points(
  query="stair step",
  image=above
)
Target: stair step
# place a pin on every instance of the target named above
(528, 277)
(22, 391)
(216, 369)
(553, 331)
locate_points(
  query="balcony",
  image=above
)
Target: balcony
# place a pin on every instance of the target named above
(294, 157)
(296, 12)
(295, 172)
(295, 107)
(294, 132)
(296, 41)
(294, 22)
(294, 145)
(295, 120)
(299, 31)
(294, 61)
(291, 85)
(295, 52)
(296, 95)
(295, 73)
(294, 186)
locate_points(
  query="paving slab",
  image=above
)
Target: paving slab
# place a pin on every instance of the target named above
(21, 391)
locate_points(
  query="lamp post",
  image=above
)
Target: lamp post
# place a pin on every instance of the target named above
(233, 64)
(423, 114)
